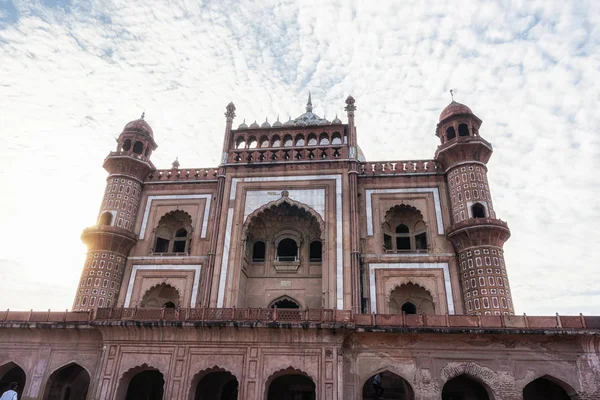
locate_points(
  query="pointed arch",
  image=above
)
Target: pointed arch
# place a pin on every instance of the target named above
(482, 375)
(70, 381)
(548, 387)
(129, 375)
(289, 371)
(199, 376)
(285, 299)
(12, 372)
(173, 233)
(276, 203)
(391, 381)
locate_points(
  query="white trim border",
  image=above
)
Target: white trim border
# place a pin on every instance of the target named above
(442, 266)
(196, 268)
(208, 198)
(338, 228)
(436, 199)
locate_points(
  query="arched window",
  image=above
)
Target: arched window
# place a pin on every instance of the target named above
(409, 308)
(336, 138)
(404, 230)
(316, 251)
(287, 141)
(300, 140)
(127, 145)
(252, 143)
(463, 130)
(547, 388)
(163, 295)
(285, 302)
(264, 141)
(411, 299)
(478, 210)
(323, 139)
(276, 141)
(138, 147)
(173, 233)
(287, 250)
(240, 143)
(312, 139)
(106, 219)
(258, 252)
(450, 133)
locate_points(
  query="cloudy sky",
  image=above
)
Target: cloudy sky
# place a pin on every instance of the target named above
(73, 73)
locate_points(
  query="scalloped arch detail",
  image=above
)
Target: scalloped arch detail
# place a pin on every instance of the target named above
(178, 215)
(144, 297)
(286, 371)
(198, 376)
(276, 203)
(409, 282)
(389, 214)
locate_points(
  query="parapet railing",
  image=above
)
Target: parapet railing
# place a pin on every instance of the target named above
(320, 315)
(279, 154)
(174, 174)
(399, 167)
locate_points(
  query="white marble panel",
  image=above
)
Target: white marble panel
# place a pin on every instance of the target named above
(314, 198)
(436, 199)
(196, 268)
(442, 266)
(208, 197)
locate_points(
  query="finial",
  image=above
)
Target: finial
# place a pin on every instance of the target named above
(350, 107)
(143, 114)
(452, 94)
(309, 104)
(230, 114)
(176, 163)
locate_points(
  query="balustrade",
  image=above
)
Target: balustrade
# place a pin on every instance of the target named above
(399, 167)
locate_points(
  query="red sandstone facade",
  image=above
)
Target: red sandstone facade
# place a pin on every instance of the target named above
(296, 269)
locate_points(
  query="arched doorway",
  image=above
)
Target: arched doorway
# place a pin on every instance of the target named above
(387, 386)
(70, 382)
(145, 385)
(291, 385)
(546, 388)
(217, 385)
(9, 373)
(464, 387)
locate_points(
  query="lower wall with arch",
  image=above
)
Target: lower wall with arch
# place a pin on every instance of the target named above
(261, 362)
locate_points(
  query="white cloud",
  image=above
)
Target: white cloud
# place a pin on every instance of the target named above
(73, 75)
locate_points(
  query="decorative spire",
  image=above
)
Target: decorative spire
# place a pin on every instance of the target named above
(143, 114)
(230, 114)
(350, 107)
(309, 104)
(452, 94)
(176, 163)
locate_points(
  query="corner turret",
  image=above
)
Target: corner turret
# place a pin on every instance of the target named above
(477, 235)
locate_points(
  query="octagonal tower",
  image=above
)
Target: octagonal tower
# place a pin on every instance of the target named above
(110, 240)
(477, 235)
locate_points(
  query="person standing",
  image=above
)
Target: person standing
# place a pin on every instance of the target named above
(377, 385)
(11, 393)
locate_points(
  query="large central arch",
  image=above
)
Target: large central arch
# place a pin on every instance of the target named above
(278, 238)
